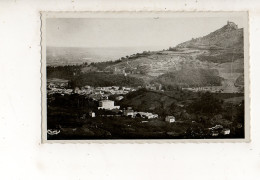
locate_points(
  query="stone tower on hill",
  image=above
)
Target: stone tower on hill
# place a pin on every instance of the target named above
(231, 24)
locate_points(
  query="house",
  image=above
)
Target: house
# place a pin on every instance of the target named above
(51, 85)
(147, 115)
(115, 87)
(119, 98)
(126, 89)
(225, 131)
(151, 116)
(155, 115)
(76, 90)
(128, 112)
(216, 127)
(170, 119)
(214, 133)
(68, 91)
(92, 114)
(107, 104)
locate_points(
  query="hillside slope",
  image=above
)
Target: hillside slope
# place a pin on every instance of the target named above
(190, 77)
(162, 103)
(227, 37)
(221, 51)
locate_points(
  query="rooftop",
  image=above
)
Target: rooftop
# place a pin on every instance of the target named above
(107, 100)
(170, 116)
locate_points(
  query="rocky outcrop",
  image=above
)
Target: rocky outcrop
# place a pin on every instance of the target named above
(227, 37)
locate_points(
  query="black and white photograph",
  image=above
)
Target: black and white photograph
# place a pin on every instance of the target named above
(145, 76)
(129, 90)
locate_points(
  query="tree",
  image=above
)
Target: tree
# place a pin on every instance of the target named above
(206, 104)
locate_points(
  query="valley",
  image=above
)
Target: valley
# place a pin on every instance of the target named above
(199, 82)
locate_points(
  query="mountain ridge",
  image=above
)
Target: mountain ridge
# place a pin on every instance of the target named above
(190, 63)
(199, 57)
(227, 37)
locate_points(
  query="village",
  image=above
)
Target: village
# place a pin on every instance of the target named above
(101, 96)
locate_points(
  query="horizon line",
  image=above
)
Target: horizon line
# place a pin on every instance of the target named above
(105, 46)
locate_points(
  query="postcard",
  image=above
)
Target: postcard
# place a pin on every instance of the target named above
(145, 77)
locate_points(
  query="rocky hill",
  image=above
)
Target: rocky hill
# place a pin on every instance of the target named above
(227, 37)
(220, 51)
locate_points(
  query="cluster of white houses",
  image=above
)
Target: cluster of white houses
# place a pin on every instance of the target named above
(56, 82)
(60, 86)
(219, 129)
(129, 112)
(101, 94)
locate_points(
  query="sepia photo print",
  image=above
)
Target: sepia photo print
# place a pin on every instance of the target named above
(153, 76)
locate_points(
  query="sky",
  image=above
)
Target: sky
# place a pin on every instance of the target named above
(130, 32)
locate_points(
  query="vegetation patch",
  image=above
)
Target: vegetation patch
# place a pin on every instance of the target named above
(190, 78)
(221, 58)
